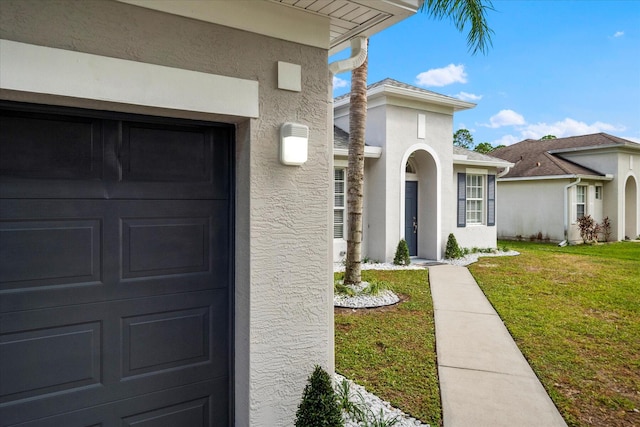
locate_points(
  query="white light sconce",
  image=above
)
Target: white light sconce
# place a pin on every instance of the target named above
(294, 139)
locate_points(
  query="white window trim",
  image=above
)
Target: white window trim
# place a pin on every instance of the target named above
(585, 188)
(482, 200)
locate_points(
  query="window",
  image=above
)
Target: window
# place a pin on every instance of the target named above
(598, 192)
(475, 199)
(338, 203)
(581, 198)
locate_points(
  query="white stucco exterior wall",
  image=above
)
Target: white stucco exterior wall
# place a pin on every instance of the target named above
(283, 293)
(542, 201)
(621, 163)
(474, 235)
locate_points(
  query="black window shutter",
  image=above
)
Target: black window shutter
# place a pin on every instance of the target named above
(462, 199)
(491, 200)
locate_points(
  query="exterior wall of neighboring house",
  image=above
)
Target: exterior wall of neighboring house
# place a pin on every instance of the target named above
(482, 235)
(541, 202)
(283, 306)
(622, 164)
(542, 207)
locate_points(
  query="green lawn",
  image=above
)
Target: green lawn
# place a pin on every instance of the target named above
(391, 351)
(575, 314)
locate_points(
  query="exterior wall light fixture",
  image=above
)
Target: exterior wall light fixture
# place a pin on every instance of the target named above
(294, 140)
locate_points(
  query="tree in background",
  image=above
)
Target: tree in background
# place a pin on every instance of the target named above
(484, 148)
(548, 137)
(463, 138)
(461, 13)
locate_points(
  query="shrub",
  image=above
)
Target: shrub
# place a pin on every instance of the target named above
(453, 251)
(605, 228)
(589, 229)
(319, 406)
(402, 254)
(375, 287)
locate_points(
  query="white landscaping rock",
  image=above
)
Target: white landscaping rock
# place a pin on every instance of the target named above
(375, 404)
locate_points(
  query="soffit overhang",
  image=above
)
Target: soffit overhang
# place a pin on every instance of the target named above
(327, 24)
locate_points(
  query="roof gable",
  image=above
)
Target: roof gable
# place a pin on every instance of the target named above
(538, 158)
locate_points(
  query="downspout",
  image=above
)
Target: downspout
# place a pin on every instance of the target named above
(504, 172)
(566, 210)
(358, 55)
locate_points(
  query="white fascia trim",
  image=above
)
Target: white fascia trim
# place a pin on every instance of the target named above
(369, 152)
(45, 70)
(607, 177)
(431, 98)
(260, 17)
(390, 92)
(603, 148)
(467, 162)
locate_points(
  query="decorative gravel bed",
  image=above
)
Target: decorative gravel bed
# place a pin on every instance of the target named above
(360, 395)
(387, 297)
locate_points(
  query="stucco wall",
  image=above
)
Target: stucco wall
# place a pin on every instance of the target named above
(621, 163)
(284, 313)
(525, 208)
(478, 236)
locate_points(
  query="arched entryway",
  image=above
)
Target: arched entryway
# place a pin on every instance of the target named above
(420, 202)
(631, 208)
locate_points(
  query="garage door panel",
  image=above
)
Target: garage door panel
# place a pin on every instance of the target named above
(36, 253)
(47, 360)
(112, 351)
(193, 405)
(68, 147)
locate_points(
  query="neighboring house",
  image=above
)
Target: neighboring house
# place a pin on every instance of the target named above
(418, 186)
(556, 181)
(158, 264)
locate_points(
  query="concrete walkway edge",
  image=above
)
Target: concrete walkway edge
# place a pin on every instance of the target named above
(484, 378)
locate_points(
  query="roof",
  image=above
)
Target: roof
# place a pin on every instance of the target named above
(300, 21)
(403, 90)
(341, 145)
(538, 158)
(462, 156)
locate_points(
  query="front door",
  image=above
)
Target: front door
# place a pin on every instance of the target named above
(411, 216)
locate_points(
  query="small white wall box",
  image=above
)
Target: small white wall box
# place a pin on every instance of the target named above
(294, 140)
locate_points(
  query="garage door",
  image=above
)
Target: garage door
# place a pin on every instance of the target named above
(115, 269)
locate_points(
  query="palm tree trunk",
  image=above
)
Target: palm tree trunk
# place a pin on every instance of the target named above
(355, 173)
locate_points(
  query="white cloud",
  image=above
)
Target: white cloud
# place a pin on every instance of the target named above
(567, 127)
(338, 82)
(632, 138)
(442, 76)
(560, 129)
(506, 140)
(505, 118)
(618, 34)
(466, 96)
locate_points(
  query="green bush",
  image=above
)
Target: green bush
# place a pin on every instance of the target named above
(453, 251)
(402, 254)
(319, 406)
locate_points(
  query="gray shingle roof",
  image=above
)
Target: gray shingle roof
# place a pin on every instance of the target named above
(396, 83)
(474, 155)
(533, 158)
(340, 138)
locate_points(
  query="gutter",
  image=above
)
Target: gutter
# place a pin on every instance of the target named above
(371, 152)
(358, 55)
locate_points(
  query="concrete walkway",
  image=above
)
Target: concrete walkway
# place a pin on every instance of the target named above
(484, 379)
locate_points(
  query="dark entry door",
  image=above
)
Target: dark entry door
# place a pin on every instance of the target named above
(115, 277)
(411, 216)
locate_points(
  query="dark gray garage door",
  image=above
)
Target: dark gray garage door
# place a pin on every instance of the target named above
(115, 269)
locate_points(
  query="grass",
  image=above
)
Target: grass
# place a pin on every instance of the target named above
(575, 314)
(391, 351)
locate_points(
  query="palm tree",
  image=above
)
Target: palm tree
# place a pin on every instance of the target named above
(461, 12)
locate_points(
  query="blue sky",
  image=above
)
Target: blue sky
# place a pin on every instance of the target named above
(556, 67)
